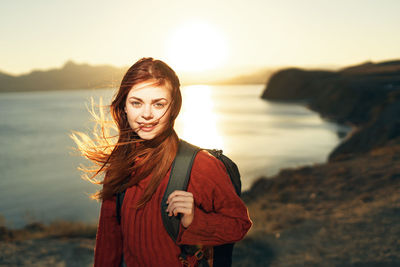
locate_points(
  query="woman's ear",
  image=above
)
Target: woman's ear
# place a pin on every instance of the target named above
(125, 109)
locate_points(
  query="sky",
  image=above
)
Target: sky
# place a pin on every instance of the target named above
(197, 36)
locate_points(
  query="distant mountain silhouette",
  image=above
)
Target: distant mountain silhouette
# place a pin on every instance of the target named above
(85, 76)
(70, 76)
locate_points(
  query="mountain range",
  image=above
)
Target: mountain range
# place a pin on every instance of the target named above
(84, 76)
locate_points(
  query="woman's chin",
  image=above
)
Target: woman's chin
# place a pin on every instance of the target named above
(148, 135)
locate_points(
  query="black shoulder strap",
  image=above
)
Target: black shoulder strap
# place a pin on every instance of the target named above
(180, 172)
(178, 180)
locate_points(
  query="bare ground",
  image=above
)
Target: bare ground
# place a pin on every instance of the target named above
(343, 213)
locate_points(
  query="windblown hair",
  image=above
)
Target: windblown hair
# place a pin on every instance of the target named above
(130, 159)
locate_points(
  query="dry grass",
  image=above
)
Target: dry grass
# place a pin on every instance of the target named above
(57, 229)
(343, 213)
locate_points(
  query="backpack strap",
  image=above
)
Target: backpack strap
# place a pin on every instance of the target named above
(180, 170)
(178, 180)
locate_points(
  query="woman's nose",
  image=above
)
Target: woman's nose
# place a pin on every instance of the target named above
(147, 113)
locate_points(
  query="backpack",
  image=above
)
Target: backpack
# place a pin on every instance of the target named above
(178, 180)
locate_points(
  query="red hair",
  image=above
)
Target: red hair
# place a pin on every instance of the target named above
(119, 161)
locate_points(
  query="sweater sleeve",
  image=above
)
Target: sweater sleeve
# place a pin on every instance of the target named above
(108, 249)
(220, 216)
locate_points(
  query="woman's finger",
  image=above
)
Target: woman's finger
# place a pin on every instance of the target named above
(171, 207)
(181, 199)
(187, 199)
(183, 210)
(178, 193)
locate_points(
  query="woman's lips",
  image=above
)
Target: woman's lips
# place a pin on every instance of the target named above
(147, 128)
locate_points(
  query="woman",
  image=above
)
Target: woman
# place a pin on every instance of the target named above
(144, 110)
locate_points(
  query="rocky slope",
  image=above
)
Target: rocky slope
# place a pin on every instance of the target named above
(343, 213)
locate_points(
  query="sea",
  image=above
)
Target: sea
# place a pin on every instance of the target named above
(39, 176)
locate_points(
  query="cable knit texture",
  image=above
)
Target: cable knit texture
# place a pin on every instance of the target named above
(220, 216)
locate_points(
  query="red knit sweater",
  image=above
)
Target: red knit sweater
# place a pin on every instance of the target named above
(220, 216)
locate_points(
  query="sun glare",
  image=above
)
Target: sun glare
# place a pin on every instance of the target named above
(197, 122)
(195, 47)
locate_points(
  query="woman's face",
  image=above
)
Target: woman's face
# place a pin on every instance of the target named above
(146, 107)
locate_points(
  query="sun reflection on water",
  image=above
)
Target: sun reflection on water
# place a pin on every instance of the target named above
(197, 122)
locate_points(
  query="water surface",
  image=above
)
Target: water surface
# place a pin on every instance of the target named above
(39, 179)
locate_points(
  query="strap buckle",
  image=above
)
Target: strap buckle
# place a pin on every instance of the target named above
(199, 254)
(185, 262)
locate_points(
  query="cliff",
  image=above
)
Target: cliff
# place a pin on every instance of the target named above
(366, 96)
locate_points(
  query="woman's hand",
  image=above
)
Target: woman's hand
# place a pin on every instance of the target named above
(181, 202)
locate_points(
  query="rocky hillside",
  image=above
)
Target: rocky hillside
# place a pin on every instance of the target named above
(343, 213)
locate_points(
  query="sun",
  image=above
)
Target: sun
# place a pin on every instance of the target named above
(196, 46)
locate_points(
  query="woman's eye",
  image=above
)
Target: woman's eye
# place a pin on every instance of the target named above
(159, 105)
(136, 104)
